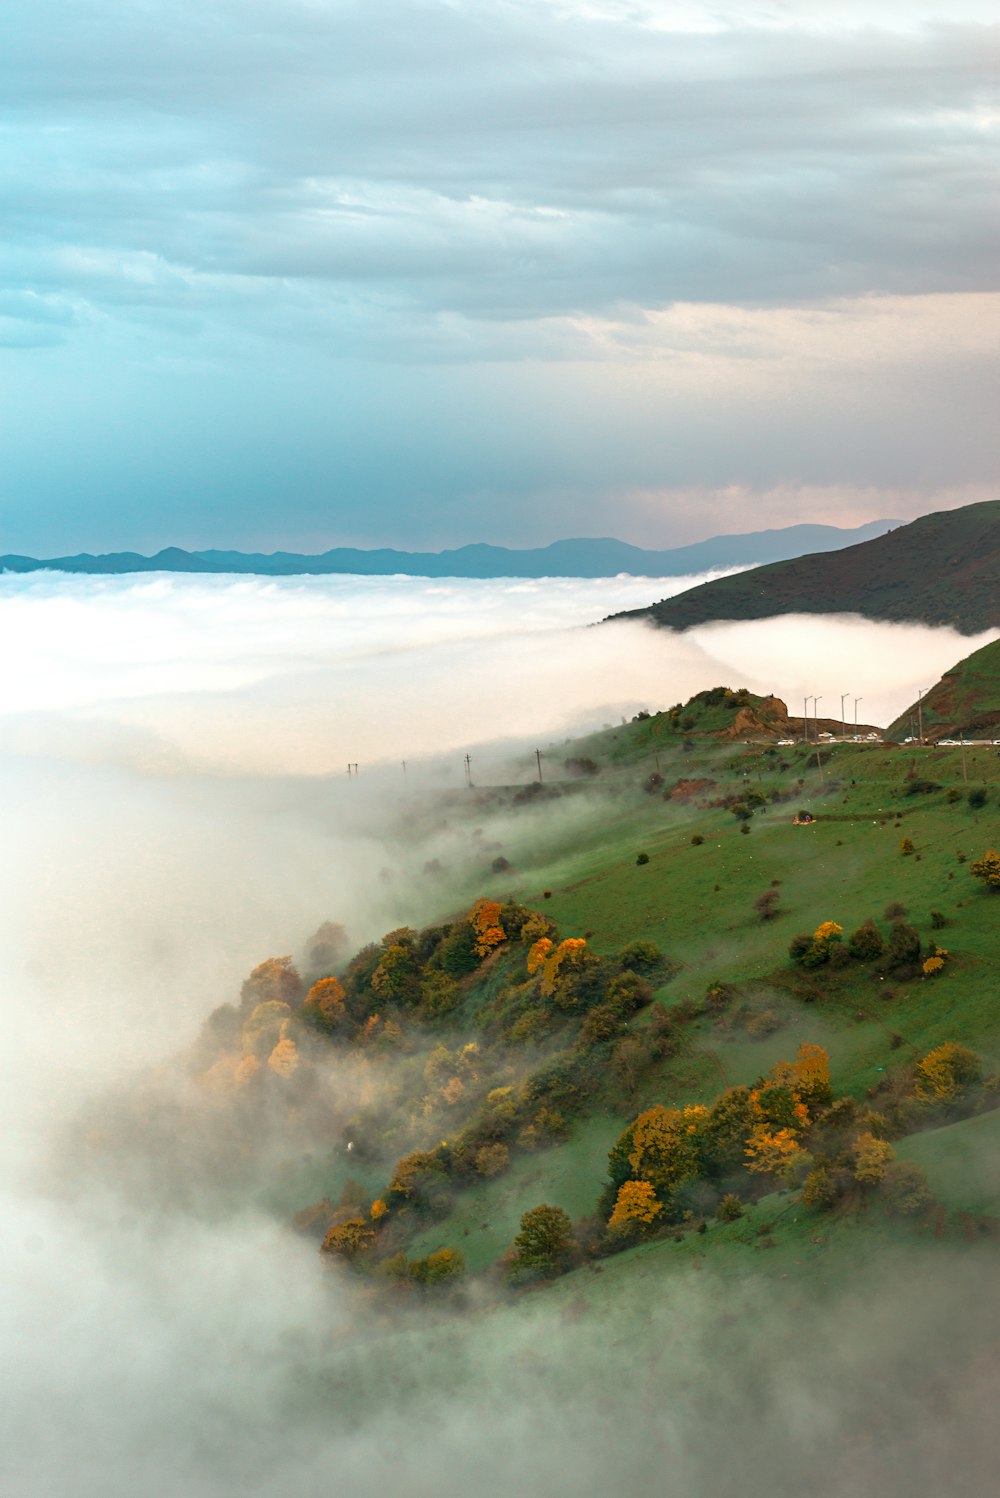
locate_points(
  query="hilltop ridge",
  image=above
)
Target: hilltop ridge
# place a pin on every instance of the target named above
(941, 569)
(586, 556)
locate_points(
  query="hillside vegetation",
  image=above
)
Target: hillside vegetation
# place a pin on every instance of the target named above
(964, 703)
(684, 1021)
(941, 569)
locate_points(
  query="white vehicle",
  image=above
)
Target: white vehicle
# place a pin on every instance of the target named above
(948, 743)
(789, 743)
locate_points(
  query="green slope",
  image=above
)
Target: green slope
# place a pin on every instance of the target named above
(965, 703)
(942, 569)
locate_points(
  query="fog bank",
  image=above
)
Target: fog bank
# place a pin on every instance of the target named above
(175, 809)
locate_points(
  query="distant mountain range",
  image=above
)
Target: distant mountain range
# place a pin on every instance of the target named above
(584, 557)
(941, 569)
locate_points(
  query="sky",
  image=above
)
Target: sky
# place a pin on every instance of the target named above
(301, 273)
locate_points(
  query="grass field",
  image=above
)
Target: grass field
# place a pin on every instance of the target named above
(696, 903)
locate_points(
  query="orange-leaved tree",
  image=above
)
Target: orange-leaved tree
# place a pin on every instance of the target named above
(274, 979)
(485, 919)
(946, 1072)
(636, 1206)
(324, 1005)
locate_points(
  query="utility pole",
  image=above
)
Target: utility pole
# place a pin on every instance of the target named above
(355, 767)
(816, 703)
(843, 721)
(920, 711)
(404, 768)
(965, 770)
(538, 759)
(805, 718)
(468, 771)
(856, 701)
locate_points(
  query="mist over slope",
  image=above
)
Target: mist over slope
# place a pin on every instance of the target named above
(176, 809)
(943, 569)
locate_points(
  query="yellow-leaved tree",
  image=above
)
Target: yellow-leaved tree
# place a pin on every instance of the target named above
(636, 1206)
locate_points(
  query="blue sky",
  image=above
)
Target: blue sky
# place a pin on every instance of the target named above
(304, 273)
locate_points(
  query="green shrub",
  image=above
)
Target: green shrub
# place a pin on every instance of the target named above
(640, 956)
(866, 943)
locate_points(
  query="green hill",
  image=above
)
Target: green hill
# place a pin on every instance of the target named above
(965, 703)
(636, 958)
(942, 569)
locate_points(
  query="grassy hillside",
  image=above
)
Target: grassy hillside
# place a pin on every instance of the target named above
(941, 569)
(964, 703)
(439, 1045)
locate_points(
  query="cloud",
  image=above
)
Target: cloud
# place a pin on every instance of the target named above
(303, 675)
(167, 824)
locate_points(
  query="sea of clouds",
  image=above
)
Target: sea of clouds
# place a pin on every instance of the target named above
(175, 808)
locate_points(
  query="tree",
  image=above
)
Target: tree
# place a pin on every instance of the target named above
(327, 946)
(284, 1059)
(636, 1207)
(987, 868)
(904, 1189)
(667, 1146)
(262, 1030)
(492, 1160)
(766, 905)
(866, 943)
(324, 1008)
(872, 1158)
(640, 956)
(904, 946)
(275, 979)
(439, 1268)
(769, 1151)
(946, 1073)
(545, 1244)
(350, 1240)
(484, 917)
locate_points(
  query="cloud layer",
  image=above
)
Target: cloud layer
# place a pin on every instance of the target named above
(167, 824)
(555, 254)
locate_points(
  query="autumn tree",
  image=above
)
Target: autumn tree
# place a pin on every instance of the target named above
(872, 1158)
(325, 1006)
(946, 1073)
(484, 917)
(636, 1208)
(987, 868)
(443, 1267)
(350, 1240)
(274, 980)
(667, 1146)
